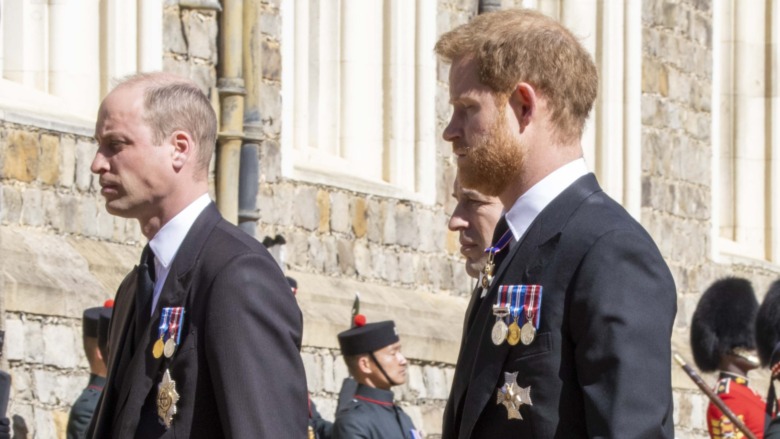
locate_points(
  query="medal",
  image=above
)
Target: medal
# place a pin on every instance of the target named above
(500, 310)
(162, 329)
(176, 318)
(527, 333)
(490, 266)
(170, 348)
(498, 335)
(514, 334)
(157, 349)
(512, 396)
(532, 303)
(167, 397)
(487, 272)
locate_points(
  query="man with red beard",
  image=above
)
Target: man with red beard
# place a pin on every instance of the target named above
(573, 338)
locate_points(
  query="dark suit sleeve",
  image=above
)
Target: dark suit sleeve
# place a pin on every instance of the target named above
(623, 309)
(252, 338)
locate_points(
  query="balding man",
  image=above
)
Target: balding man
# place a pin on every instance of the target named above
(205, 335)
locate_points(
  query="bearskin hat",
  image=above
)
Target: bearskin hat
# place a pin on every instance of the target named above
(723, 321)
(768, 325)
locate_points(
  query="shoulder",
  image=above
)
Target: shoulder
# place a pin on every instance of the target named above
(228, 247)
(351, 419)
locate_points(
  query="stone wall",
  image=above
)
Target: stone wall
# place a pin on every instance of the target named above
(677, 177)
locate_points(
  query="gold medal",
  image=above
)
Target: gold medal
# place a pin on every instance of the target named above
(527, 333)
(167, 397)
(513, 334)
(498, 335)
(487, 272)
(157, 349)
(170, 348)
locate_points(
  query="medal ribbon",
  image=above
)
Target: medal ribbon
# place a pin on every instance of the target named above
(502, 299)
(532, 303)
(516, 294)
(177, 319)
(166, 312)
(502, 242)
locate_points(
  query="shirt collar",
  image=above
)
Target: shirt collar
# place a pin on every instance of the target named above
(168, 239)
(530, 204)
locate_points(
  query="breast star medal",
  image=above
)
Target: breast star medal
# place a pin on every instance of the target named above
(167, 397)
(512, 396)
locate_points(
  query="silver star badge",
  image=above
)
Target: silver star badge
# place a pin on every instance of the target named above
(513, 396)
(167, 397)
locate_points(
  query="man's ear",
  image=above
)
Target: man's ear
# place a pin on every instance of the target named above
(523, 102)
(364, 364)
(183, 148)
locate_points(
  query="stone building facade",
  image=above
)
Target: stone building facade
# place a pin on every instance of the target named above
(375, 224)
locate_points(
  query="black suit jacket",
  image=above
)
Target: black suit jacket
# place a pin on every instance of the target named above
(238, 368)
(600, 365)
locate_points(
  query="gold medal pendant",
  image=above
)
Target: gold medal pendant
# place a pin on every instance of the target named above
(498, 335)
(487, 275)
(487, 272)
(167, 397)
(513, 334)
(527, 333)
(157, 349)
(170, 348)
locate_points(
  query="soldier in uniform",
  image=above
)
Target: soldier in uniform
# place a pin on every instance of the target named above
(84, 407)
(319, 427)
(722, 339)
(768, 344)
(373, 356)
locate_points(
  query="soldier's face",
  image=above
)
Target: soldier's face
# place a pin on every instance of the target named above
(393, 362)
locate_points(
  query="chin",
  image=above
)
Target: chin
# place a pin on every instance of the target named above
(474, 268)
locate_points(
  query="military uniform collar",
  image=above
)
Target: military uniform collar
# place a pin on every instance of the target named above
(97, 382)
(737, 378)
(374, 395)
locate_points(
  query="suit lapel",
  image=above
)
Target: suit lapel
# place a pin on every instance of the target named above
(488, 358)
(143, 367)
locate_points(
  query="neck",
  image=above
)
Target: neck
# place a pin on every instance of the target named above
(168, 210)
(542, 160)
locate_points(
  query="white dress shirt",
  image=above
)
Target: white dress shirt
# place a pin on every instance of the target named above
(530, 204)
(165, 244)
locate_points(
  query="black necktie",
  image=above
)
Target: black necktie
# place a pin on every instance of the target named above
(144, 293)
